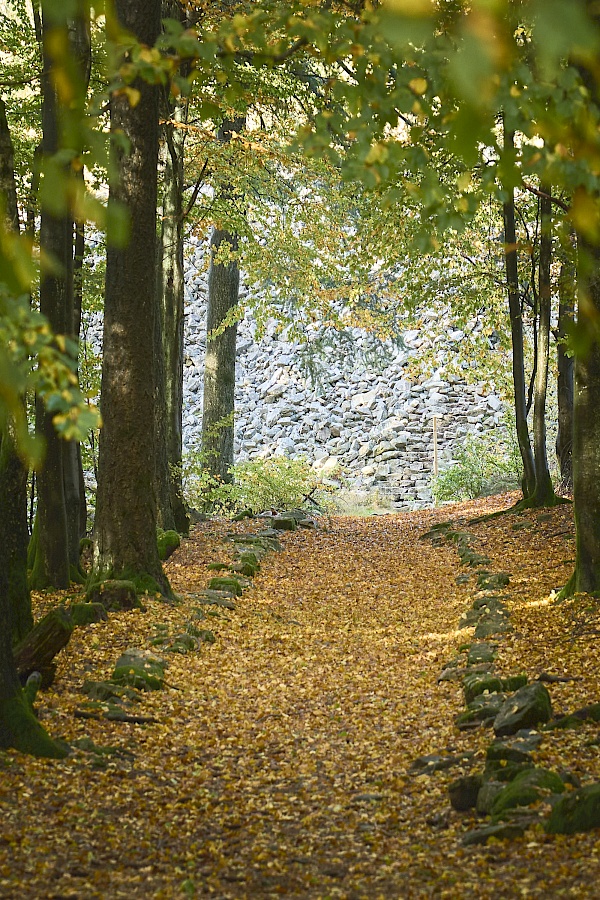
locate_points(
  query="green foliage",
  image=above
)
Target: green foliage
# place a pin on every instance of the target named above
(483, 465)
(259, 484)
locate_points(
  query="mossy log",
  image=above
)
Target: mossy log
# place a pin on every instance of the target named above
(36, 652)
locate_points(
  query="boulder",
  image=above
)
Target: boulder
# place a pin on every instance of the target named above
(464, 791)
(140, 669)
(576, 811)
(114, 594)
(529, 786)
(168, 542)
(528, 707)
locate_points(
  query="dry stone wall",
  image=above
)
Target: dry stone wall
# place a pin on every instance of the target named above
(372, 423)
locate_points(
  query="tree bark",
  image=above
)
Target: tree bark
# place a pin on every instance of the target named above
(543, 494)
(58, 481)
(219, 365)
(14, 534)
(566, 367)
(172, 512)
(125, 527)
(516, 329)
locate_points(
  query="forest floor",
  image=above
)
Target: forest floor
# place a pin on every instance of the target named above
(279, 764)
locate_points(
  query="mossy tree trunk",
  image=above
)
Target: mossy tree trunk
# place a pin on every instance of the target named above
(219, 365)
(125, 526)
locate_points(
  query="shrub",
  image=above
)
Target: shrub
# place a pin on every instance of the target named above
(484, 465)
(277, 482)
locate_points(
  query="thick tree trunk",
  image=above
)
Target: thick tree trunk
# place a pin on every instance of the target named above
(566, 368)
(14, 533)
(219, 365)
(51, 564)
(14, 537)
(544, 492)
(125, 527)
(586, 431)
(516, 329)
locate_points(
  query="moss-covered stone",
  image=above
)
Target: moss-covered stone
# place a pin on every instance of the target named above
(504, 831)
(168, 542)
(474, 685)
(577, 811)
(464, 791)
(513, 682)
(229, 583)
(526, 788)
(140, 669)
(481, 653)
(487, 581)
(108, 690)
(82, 614)
(528, 707)
(483, 709)
(285, 523)
(114, 594)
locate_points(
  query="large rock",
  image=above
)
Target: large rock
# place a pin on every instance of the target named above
(528, 707)
(140, 669)
(529, 786)
(577, 811)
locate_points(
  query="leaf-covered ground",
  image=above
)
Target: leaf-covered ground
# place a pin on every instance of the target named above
(279, 764)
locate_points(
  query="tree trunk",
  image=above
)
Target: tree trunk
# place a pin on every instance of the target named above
(586, 430)
(566, 367)
(14, 533)
(219, 365)
(172, 512)
(14, 536)
(125, 527)
(51, 564)
(544, 492)
(171, 288)
(516, 329)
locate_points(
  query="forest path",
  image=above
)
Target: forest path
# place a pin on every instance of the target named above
(279, 765)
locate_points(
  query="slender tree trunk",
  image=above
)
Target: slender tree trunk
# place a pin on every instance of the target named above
(544, 491)
(516, 328)
(172, 512)
(125, 526)
(81, 51)
(219, 365)
(566, 367)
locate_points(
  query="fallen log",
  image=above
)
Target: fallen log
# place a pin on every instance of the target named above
(37, 650)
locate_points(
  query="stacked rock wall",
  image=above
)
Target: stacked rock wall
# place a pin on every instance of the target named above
(369, 422)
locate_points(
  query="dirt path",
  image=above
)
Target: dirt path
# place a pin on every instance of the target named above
(279, 764)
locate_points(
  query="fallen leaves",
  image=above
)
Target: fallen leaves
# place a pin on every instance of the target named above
(279, 763)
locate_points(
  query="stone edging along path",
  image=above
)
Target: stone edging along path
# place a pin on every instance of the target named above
(511, 792)
(137, 671)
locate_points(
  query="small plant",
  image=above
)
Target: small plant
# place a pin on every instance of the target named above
(484, 465)
(277, 482)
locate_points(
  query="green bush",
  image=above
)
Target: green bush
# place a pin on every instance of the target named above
(486, 464)
(274, 483)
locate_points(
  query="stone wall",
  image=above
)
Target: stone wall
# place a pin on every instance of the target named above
(371, 422)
